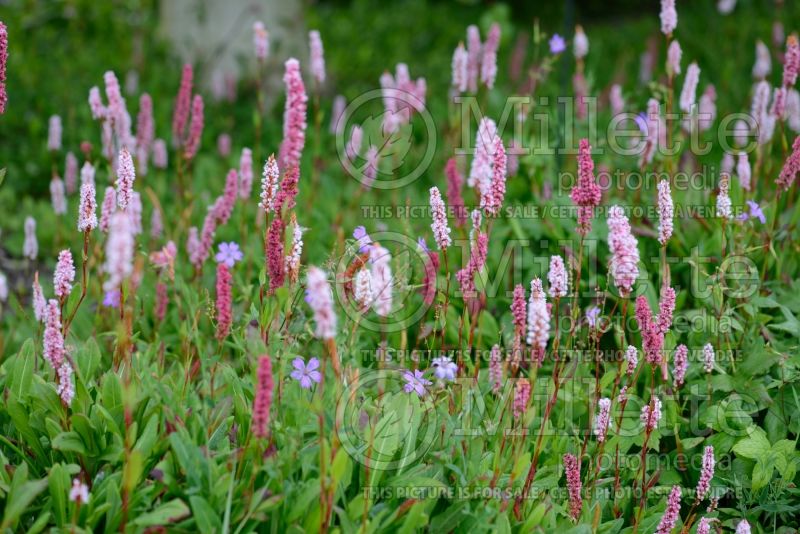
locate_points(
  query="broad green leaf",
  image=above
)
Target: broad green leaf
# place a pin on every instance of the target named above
(22, 375)
(59, 484)
(166, 514)
(21, 495)
(754, 446)
(69, 442)
(204, 517)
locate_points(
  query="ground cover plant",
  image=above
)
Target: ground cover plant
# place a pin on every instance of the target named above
(516, 276)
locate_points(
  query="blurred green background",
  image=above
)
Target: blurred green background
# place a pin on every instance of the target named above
(59, 49)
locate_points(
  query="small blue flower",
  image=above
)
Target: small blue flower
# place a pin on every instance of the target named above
(111, 299)
(362, 237)
(423, 245)
(306, 373)
(229, 254)
(755, 211)
(591, 316)
(557, 44)
(415, 382)
(444, 368)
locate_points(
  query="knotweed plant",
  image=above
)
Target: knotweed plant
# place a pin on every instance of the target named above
(464, 302)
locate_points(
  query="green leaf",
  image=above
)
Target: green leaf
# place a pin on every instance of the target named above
(21, 421)
(169, 512)
(58, 482)
(22, 375)
(754, 446)
(21, 495)
(69, 442)
(762, 472)
(204, 517)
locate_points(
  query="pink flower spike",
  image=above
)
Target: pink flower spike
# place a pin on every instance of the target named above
(666, 309)
(580, 44)
(572, 469)
(262, 401)
(79, 492)
(99, 111)
(119, 251)
(382, 280)
(496, 368)
(162, 300)
(499, 171)
(706, 473)
(64, 275)
(689, 91)
(557, 276)
(38, 301)
(632, 360)
(668, 16)
(519, 309)
(791, 61)
(474, 47)
(160, 154)
(87, 174)
(708, 358)
(704, 525)
(460, 66)
(624, 265)
(455, 183)
(224, 300)
(58, 196)
(145, 132)
(275, 261)
(763, 64)
(54, 134)
(586, 193)
(337, 112)
(107, 209)
(538, 321)
(353, 148)
(125, 178)
(602, 419)
(790, 168)
(373, 158)
(522, 394)
(260, 41)
(288, 190)
(674, 54)
(317, 59)
(672, 513)
(87, 212)
(441, 230)
(3, 62)
(489, 59)
(224, 145)
(681, 365)
(54, 351)
(180, 115)
(195, 128)
(665, 212)
(269, 185)
(30, 247)
(320, 299)
(743, 527)
(724, 208)
(294, 117)
(651, 414)
(223, 207)
(71, 173)
(245, 173)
